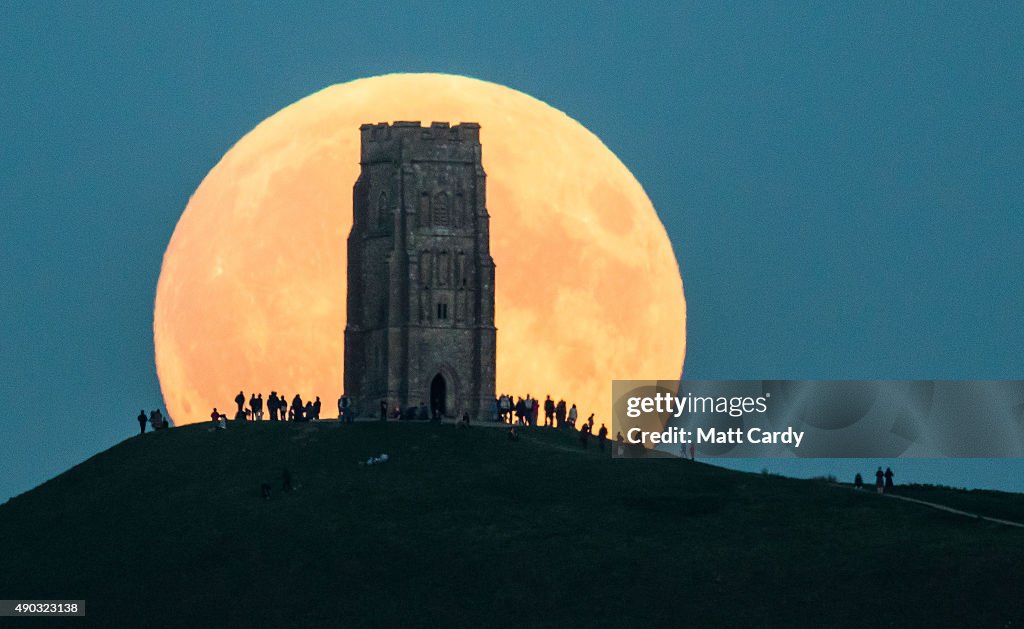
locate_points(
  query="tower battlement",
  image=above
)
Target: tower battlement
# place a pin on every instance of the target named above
(411, 141)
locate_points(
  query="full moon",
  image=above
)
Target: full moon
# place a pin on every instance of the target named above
(251, 294)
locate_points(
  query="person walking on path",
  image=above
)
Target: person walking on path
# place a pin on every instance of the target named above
(142, 422)
(888, 479)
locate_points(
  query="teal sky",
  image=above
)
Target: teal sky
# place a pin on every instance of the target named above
(842, 183)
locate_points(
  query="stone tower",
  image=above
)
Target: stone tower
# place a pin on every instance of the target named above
(420, 274)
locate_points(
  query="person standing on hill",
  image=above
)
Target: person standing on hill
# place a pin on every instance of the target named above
(240, 401)
(584, 434)
(506, 408)
(571, 417)
(888, 479)
(878, 480)
(549, 411)
(272, 405)
(316, 409)
(142, 421)
(601, 435)
(218, 419)
(297, 408)
(858, 481)
(252, 406)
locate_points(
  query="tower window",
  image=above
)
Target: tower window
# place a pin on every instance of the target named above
(441, 216)
(424, 210)
(442, 310)
(382, 211)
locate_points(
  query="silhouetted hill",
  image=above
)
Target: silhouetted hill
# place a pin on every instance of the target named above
(464, 528)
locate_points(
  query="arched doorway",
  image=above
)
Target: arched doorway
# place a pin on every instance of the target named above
(438, 395)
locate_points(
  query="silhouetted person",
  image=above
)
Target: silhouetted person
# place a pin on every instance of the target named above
(620, 444)
(252, 407)
(307, 413)
(879, 480)
(693, 452)
(560, 413)
(584, 435)
(258, 413)
(888, 479)
(590, 423)
(272, 406)
(240, 401)
(286, 480)
(601, 435)
(465, 419)
(316, 409)
(549, 411)
(858, 481)
(383, 410)
(154, 419)
(142, 421)
(296, 410)
(573, 414)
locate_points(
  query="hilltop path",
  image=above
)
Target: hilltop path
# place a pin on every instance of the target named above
(941, 507)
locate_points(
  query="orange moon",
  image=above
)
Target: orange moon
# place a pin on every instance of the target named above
(252, 289)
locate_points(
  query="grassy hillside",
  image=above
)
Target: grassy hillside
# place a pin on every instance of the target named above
(462, 527)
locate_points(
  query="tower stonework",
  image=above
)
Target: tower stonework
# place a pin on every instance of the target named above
(420, 274)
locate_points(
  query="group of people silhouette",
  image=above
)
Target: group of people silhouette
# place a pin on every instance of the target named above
(883, 480)
(525, 411)
(515, 411)
(155, 419)
(277, 407)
